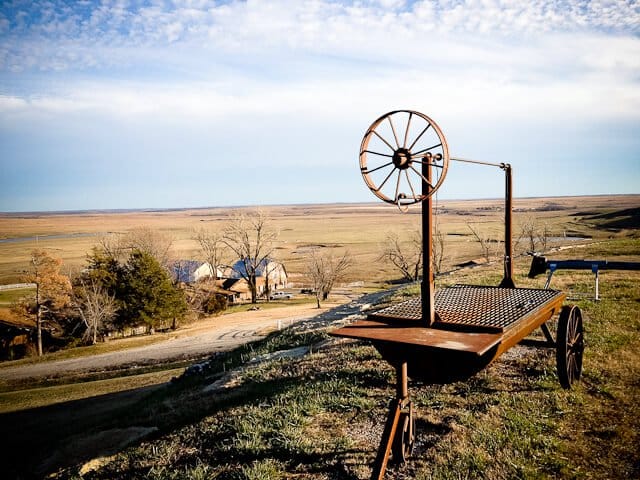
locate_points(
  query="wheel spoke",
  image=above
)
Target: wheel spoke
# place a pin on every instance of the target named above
(365, 171)
(424, 179)
(406, 132)
(398, 132)
(573, 326)
(385, 180)
(394, 131)
(413, 192)
(418, 137)
(377, 153)
(427, 149)
(571, 370)
(388, 144)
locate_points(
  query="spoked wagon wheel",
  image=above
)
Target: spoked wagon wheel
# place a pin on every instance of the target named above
(569, 345)
(404, 157)
(405, 436)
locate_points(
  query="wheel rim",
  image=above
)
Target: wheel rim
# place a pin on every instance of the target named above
(575, 345)
(396, 150)
(404, 438)
(570, 346)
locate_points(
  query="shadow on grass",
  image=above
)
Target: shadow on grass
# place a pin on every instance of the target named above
(34, 437)
(44, 440)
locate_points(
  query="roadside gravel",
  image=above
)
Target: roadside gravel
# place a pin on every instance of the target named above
(199, 339)
(202, 338)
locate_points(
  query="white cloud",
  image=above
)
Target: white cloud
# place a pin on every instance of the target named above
(55, 30)
(241, 79)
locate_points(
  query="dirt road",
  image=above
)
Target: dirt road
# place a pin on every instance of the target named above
(199, 339)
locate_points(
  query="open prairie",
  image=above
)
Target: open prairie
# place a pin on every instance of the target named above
(357, 228)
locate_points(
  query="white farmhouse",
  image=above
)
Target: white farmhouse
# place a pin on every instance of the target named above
(271, 271)
(189, 271)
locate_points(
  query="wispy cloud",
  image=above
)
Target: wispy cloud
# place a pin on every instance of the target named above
(313, 73)
(54, 35)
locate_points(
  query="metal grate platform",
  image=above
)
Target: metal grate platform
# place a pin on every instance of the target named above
(493, 308)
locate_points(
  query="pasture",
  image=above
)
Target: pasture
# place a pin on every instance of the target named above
(320, 416)
(357, 228)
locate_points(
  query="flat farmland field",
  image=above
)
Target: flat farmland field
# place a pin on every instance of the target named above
(359, 229)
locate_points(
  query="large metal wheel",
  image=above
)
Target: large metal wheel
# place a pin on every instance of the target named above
(405, 437)
(569, 346)
(401, 152)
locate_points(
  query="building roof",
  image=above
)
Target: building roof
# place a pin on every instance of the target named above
(183, 270)
(239, 268)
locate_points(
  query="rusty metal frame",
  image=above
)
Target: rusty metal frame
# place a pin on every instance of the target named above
(417, 344)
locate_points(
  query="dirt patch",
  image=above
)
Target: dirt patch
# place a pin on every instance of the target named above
(193, 341)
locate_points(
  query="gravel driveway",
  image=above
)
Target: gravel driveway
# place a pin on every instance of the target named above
(199, 339)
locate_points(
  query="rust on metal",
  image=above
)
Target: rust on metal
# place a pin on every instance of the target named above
(393, 160)
(429, 338)
(491, 308)
(451, 334)
(507, 280)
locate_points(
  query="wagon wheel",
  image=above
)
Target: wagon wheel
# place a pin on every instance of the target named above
(569, 345)
(402, 152)
(405, 436)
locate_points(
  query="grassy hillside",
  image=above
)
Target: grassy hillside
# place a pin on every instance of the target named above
(320, 415)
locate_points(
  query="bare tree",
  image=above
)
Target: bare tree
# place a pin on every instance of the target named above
(543, 237)
(405, 257)
(324, 270)
(252, 239)
(528, 233)
(112, 246)
(269, 268)
(147, 240)
(437, 254)
(534, 234)
(53, 289)
(95, 306)
(213, 249)
(483, 240)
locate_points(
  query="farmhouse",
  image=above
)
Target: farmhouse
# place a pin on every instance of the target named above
(240, 288)
(232, 281)
(272, 273)
(189, 271)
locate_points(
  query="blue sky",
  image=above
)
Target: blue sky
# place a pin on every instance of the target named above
(154, 104)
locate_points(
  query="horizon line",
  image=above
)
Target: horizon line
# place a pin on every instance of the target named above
(180, 209)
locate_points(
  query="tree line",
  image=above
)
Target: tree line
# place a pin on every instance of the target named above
(126, 280)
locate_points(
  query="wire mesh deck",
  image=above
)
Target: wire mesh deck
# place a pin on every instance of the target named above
(471, 306)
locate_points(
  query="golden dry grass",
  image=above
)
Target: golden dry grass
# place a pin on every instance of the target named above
(358, 228)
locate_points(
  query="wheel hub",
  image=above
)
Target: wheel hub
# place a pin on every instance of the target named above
(402, 158)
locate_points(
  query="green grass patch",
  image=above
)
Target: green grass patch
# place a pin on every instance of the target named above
(8, 297)
(321, 416)
(37, 397)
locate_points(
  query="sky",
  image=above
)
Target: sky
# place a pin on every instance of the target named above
(161, 104)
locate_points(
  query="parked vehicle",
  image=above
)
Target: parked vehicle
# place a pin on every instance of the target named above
(280, 296)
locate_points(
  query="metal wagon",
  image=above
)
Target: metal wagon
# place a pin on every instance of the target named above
(451, 334)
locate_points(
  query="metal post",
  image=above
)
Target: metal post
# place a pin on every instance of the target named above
(393, 419)
(507, 281)
(427, 287)
(594, 269)
(402, 387)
